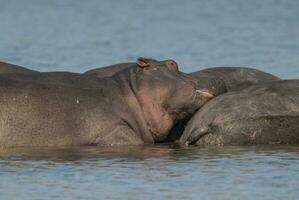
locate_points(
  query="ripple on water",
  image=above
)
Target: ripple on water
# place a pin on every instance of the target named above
(162, 172)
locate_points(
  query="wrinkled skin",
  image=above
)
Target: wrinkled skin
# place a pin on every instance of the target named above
(261, 114)
(234, 78)
(136, 106)
(6, 68)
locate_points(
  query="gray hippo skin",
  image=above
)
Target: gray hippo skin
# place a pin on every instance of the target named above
(235, 78)
(221, 80)
(102, 72)
(261, 114)
(108, 71)
(6, 68)
(136, 106)
(218, 78)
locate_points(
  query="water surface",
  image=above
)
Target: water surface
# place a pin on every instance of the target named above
(152, 172)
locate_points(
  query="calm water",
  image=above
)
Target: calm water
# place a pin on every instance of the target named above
(157, 172)
(77, 35)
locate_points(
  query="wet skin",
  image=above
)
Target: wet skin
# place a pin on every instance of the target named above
(261, 114)
(138, 105)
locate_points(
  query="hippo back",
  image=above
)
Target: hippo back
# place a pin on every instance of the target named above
(108, 71)
(236, 77)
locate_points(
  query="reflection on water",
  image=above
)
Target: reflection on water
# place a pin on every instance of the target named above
(159, 172)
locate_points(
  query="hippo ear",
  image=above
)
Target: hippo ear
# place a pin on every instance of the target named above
(171, 64)
(142, 62)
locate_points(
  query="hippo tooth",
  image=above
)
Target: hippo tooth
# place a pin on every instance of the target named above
(204, 93)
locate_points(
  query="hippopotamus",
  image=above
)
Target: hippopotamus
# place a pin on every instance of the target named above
(6, 68)
(138, 105)
(260, 114)
(234, 78)
(218, 80)
(221, 80)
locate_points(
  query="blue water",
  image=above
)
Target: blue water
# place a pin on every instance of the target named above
(73, 35)
(157, 172)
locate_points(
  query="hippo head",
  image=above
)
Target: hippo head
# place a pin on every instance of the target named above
(166, 95)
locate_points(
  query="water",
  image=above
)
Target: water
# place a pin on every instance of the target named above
(77, 35)
(73, 35)
(154, 172)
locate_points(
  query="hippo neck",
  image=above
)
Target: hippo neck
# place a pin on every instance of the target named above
(136, 119)
(158, 121)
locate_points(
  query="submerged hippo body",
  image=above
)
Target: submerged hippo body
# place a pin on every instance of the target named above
(135, 106)
(260, 114)
(235, 78)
